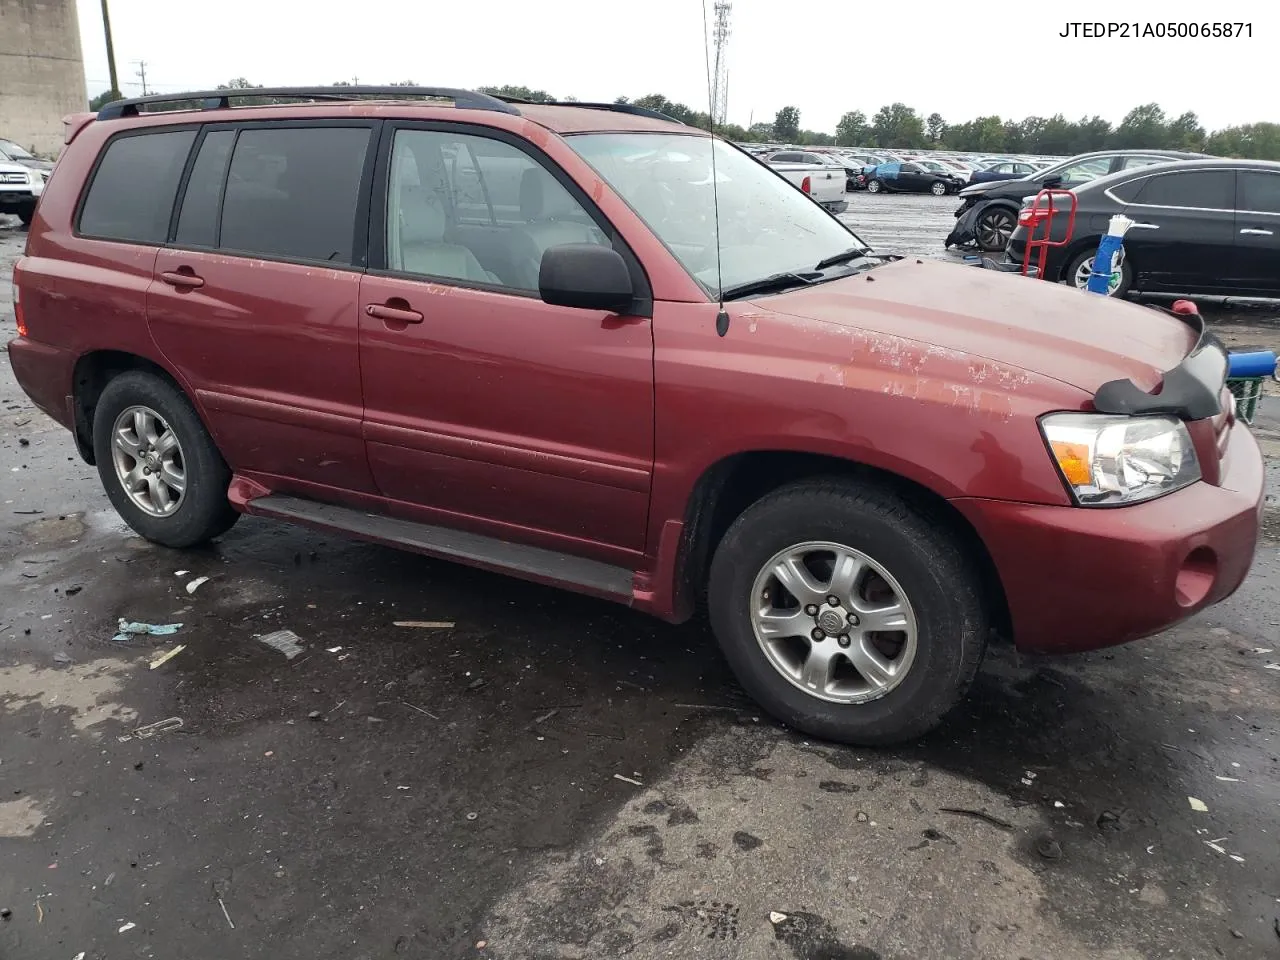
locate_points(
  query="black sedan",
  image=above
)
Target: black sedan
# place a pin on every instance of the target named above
(1202, 227)
(910, 177)
(989, 211)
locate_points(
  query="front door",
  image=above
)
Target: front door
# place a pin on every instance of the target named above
(1257, 250)
(255, 299)
(1182, 239)
(484, 406)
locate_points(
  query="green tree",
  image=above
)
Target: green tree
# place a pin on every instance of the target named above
(786, 124)
(102, 99)
(1252, 141)
(1142, 127)
(1091, 133)
(238, 83)
(404, 83)
(852, 130)
(1186, 133)
(760, 131)
(897, 125)
(936, 128)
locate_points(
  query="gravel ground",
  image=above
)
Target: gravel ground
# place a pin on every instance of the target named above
(555, 777)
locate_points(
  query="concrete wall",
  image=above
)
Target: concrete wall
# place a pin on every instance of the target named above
(41, 72)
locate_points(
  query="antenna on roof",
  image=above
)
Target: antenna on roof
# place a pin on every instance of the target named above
(722, 9)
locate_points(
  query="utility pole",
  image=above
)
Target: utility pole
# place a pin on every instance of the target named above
(720, 85)
(142, 75)
(111, 50)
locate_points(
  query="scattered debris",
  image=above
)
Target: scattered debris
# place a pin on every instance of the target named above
(181, 573)
(472, 815)
(333, 649)
(481, 944)
(160, 726)
(61, 657)
(426, 624)
(39, 911)
(861, 817)
(1262, 649)
(707, 706)
(1237, 934)
(72, 591)
(406, 703)
(1058, 804)
(164, 658)
(545, 717)
(126, 928)
(133, 628)
(225, 914)
(1272, 666)
(1197, 805)
(195, 584)
(775, 917)
(315, 715)
(476, 684)
(1230, 779)
(618, 776)
(283, 641)
(5, 913)
(979, 815)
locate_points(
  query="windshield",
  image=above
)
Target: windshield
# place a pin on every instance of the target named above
(767, 226)
(14, 152)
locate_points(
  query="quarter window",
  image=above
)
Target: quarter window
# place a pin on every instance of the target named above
(477, 210)
(131, 196)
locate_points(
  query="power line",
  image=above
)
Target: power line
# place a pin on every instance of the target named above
(142, 74)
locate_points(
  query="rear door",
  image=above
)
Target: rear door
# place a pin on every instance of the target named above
(1182, 239)
(1257, 241)
(255, 298)
(486, 408)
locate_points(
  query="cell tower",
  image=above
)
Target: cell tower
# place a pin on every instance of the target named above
(720, 88)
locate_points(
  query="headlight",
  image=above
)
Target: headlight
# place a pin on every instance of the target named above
(1108, 461)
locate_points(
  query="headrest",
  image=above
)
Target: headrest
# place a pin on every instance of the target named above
(543, 198)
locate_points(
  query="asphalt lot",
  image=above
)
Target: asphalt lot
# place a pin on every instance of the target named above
(456, 792)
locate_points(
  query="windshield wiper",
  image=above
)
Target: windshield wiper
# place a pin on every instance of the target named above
(778, 281)
(851, 254)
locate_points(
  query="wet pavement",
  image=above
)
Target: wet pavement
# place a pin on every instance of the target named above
(547, 776)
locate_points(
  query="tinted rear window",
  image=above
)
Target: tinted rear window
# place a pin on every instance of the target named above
(292, 192)
(131, 196)
(198, 221)
(1213, 189)
(1259, 192)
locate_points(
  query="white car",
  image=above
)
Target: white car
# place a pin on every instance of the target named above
(824, 180)
(20, 188)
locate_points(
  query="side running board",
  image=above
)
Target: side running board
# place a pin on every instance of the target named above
(473, 549)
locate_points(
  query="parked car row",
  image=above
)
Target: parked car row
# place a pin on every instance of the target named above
(22, 180)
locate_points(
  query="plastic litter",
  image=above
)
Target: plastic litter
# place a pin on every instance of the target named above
(425, 624)
(618, 776)
(126, 928)
(225, 914)
(283, 641)
(166, 657)
(776, 918)
(195, 584)
(135, 628)
(1197, 805)
(160, 726)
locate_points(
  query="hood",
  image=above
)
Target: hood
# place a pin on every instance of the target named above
(1056, 331)
(1015, 188)
(34, 164)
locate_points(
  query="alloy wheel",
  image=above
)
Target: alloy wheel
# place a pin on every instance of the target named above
(995, 229)
(148, 461)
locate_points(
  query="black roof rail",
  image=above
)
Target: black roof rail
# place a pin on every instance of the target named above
(630, 108)
(221, 99)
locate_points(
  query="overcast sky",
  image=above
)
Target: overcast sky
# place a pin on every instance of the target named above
(962, 58)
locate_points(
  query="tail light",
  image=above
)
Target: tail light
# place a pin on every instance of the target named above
(17, 310)
(806, 186)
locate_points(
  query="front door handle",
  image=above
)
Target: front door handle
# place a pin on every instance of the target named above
(392, 312)
(1144, 226)
(182, 278)
(1252, 232)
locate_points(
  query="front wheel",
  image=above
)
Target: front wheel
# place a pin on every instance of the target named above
(158, 464)
(26, 215)
(1081, 268)
(994, 228)
(874, 186)
(938, 188)
(846, 613)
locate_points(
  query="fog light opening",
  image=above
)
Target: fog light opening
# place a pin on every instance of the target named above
(1195, 578)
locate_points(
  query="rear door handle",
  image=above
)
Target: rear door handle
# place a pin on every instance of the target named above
(1252, 232)
(382, 311)
(182, 278)
(1144, 226)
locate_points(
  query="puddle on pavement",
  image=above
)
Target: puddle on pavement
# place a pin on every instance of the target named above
(86, 690)
(55, 529)
(20, 818)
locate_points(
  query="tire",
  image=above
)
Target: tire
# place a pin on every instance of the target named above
(938, 188)
(945, 613)
(994, 227)
(185, 517)
(26, 215)
(874, 186)
(1076, 271)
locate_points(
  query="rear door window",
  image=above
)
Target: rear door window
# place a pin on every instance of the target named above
(1203, 189)
(292, 192)
(198, 221)
(1258, 192)
(131, 195)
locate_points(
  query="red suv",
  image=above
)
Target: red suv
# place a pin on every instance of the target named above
(590, 346)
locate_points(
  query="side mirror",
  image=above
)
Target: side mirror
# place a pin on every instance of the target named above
(585, 275)
(1054, 181)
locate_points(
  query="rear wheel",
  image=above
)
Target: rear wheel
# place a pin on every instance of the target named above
(846, 613)
(938, 188)
(158, 464)
(26, 215)
(994, 228)
(874, 186)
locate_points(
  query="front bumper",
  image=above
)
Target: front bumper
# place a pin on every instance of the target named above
(1079, 578)
(964, 232)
